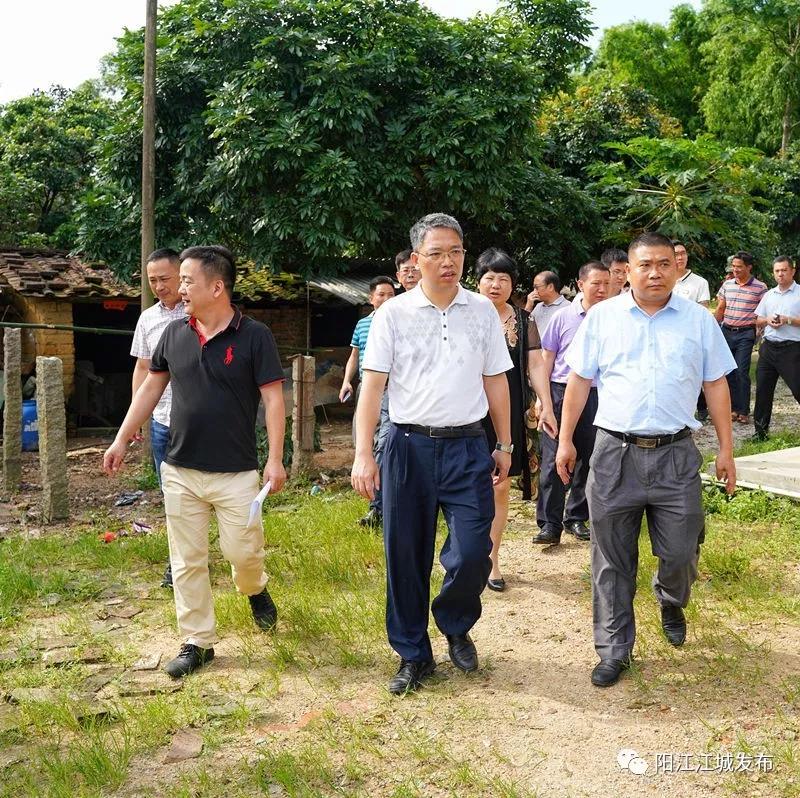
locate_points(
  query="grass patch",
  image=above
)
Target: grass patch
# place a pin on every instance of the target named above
(327, 577)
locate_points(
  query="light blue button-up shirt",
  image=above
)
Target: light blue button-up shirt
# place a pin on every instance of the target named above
(649, 369)
(787, 303)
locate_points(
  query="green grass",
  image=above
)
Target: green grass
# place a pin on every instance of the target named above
(328, 582)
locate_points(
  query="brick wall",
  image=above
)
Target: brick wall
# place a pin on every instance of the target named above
(288, 325)
(54, 343)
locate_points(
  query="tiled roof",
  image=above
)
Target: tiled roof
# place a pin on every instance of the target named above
(46, 273)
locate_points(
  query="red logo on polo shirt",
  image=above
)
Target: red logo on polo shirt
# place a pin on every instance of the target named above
(228, 356)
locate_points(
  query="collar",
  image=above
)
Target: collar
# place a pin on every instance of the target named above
(789, 290)
(178, 306)
(559, 300)
(742, 285)
(628, 302)
(685, 276)
(578, 307)
(419, 299)
(233, 324)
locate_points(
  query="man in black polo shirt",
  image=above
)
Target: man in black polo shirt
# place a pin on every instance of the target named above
(219, 364)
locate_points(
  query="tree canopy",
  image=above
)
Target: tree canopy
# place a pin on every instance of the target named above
(304, 131)
(46, 158)
(309, 134)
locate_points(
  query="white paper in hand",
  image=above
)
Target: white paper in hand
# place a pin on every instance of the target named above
(258, 503)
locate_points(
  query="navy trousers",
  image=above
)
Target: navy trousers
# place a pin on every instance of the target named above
(741, 342)
(550, 505)
(420, 476)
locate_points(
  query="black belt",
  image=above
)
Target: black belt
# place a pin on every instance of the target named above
(466, 431)
(738, 327)
(649, 441)
(780, 344)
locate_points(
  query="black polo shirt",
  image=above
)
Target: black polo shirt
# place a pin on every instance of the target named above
(215, 391)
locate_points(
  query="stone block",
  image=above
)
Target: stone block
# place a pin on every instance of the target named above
(12, 414)
(52, 438)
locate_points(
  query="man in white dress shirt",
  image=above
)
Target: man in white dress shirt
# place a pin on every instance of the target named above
(163, 267)
(778, 315)
(443, 351)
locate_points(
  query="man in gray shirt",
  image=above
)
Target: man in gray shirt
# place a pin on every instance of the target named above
(547, 289)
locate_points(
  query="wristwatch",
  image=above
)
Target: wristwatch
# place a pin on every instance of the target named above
(508, 448)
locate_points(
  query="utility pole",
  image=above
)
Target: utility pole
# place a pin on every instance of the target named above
(148, 170)
(148, 147)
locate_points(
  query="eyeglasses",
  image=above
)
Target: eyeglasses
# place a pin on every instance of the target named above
(408, 270)
(438, 257)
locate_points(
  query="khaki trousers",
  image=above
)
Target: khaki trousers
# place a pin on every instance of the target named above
(189, 496)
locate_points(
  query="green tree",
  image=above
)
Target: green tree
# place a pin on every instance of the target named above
(306, 132)
(754, 56)
(559, 31)
(576, 127)
(47, 143)
(709, 196)
(665, 61)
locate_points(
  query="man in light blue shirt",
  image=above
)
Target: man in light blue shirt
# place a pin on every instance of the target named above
(650, 352)
(778, 315)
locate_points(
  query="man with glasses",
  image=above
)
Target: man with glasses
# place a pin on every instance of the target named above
(695, 288)
(616, 261)
(690, 286)
(407, 273)
(545, 300)
(444, 353)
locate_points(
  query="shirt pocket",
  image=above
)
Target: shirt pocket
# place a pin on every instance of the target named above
(680, 357)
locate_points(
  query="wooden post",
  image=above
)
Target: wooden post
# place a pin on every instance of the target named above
(303, 370)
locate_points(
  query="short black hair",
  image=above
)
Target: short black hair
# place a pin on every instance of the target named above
(381, 279)
(496, 260)
(677, 243)
(651, 240)
(550, 278)
(591, 266)
(745, 257)
(402, 257)
(784, 259)
(165, 253)
(613, 255)
(216, 261)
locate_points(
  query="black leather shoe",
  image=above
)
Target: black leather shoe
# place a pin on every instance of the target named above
(167, 580)
(579, 529)
(462, 652)
(498, 585)
(608, 671)
(673, 622)
(265, 613)
(373, 519)
(410, 675)
(189, 659)
(547, 538)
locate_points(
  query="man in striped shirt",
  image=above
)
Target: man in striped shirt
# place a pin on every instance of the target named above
(380, 289)
(736, 311)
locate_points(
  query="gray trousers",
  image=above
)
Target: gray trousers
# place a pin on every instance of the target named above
(626, 483)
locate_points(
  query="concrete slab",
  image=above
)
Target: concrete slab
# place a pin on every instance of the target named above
(775, 472)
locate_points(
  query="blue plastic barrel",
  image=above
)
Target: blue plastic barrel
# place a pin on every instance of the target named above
(30, 426)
